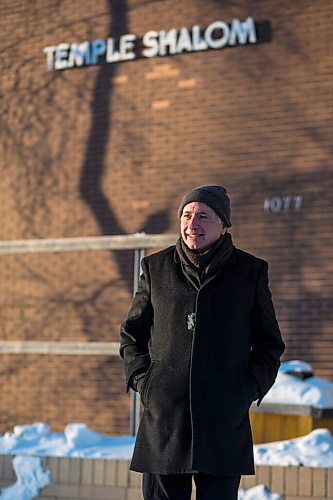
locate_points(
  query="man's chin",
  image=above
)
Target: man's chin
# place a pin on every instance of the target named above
(195, 244)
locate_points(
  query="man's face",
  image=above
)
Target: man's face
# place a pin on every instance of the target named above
(200, 227)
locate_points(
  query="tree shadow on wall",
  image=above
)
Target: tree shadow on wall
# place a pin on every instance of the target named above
(93, 170)
(94, 165)
(37, 124)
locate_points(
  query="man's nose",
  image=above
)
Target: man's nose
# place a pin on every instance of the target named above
(193, 222)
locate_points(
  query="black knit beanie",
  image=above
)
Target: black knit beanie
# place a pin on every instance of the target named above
(214, 196)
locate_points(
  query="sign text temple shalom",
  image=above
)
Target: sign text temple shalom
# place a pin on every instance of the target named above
(216, 35)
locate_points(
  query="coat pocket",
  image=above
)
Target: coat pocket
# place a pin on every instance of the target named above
(146, 382)
(247, 389)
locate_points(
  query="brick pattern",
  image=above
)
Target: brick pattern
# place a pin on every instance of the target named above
(293, 482)
(110, 149)
(97, 479)
(87, 389)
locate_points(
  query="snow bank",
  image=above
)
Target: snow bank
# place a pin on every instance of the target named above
(289, 389)
(296, 366)
(259, 492)
(76, 441)
(30, 479)
(313, 450)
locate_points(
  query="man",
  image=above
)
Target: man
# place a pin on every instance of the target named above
(200, 344)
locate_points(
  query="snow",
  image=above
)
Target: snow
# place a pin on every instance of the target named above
(76, 441)
(295, 366)
(259, 492)
(37, 439)
(313, 450)
(30, 479)
(289, 389)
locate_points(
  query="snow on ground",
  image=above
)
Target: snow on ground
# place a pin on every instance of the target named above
(296, 366)
(37, 439)
(80, 441)
(31, 478)
(76, 441)
(259, 492)
(289, 389)
(313, 450)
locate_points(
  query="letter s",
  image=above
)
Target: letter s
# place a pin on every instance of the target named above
(150, 40)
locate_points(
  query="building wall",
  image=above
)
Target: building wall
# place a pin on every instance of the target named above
(111, 149)
(97, 479)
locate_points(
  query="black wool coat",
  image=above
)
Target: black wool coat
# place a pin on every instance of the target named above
(203, 349)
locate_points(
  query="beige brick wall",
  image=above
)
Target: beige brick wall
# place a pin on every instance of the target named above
(96, 479)
(110, 149)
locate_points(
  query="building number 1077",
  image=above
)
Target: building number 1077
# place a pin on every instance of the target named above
(283, 203)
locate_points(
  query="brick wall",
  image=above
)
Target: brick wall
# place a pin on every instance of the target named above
(110, 149)
(95, 479)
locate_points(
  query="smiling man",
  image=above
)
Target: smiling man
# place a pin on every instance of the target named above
(200, 344)
(200, 226)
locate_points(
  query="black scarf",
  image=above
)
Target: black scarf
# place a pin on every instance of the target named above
(199, 266)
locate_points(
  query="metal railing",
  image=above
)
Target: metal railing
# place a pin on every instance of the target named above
(138, 242)
(135, 241)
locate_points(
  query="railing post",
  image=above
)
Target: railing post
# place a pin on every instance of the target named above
(139, 253)
(137, 242)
